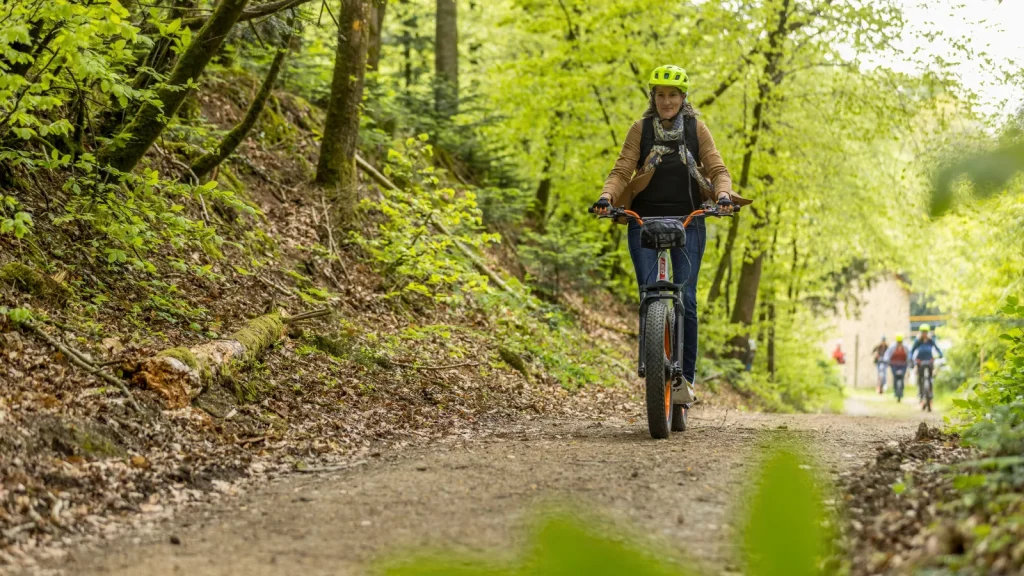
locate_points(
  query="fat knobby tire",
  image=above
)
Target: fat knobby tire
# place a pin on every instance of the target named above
(656, 362)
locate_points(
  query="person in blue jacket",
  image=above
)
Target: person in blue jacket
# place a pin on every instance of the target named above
(923, 354)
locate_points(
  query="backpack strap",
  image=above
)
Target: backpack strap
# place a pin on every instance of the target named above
(690, 136)
(646, 141)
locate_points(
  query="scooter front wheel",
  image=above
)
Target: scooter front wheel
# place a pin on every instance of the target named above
(657, 351)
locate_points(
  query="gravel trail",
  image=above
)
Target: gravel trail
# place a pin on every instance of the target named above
(481, 494)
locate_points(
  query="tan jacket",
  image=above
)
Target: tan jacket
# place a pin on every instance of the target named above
(623, 185)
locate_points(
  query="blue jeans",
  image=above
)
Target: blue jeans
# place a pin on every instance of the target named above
(685, 270)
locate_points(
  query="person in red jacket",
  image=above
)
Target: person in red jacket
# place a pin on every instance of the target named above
(838, 355)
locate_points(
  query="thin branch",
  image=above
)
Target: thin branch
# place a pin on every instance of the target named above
(571, 29)
(79, 360)
(604, 111)
(307, 316)
(333, 247)
(331, 14)
(251, 13)
(275, 286)
(729, 80)
(445, 367)
(257, 34)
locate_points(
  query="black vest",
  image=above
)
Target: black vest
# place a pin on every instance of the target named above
(687, 186)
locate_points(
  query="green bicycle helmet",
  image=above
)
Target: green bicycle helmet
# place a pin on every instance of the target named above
(669, 75)
(924, 328)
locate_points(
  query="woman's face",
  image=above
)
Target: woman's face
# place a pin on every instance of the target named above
(668, 100)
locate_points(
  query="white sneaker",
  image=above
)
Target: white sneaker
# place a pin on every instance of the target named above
(682, 392)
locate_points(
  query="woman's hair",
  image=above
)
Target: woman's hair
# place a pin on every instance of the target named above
(652, 108)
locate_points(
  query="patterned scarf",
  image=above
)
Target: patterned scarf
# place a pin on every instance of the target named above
(675, 133)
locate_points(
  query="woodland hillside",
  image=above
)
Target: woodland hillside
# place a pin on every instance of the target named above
(241, 238)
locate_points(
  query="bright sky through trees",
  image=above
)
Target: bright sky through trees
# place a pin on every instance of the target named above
(992, 26)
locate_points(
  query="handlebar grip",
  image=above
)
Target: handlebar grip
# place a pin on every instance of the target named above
(591, 209)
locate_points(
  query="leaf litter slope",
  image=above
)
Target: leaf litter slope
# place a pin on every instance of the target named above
(482, 494)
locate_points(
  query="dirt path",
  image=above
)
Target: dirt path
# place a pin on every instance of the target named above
(480, 495)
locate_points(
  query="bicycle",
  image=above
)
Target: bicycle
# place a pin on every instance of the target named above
(661, 326)
(925, 382)
(898, 375)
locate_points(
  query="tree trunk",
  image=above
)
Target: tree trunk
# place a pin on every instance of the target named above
(750, 273)
(446, 59)
(408, 27)
(539, 210)
(728, 287)
(179, 374)
(160, 56)
(125, 151)
(335, 169)
(535, 214)
(771, 340)
(232, 139)
(746, 291)
(377, 8)
(726, 260)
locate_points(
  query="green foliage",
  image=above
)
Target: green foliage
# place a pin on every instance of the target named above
(12, 220)
(1004, 385)
(994, 404)
(409, 248)
(345, 346)
(563, 258)
(993, 413)
(783, 537)
(136, 214)
(16, 315)
(989, 171)
(69, 73)
(54, 52)
(787, 490)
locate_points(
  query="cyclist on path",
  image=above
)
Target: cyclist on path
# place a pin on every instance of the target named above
(878, 353)
(897, 357)
(669, 166)
(923, 353)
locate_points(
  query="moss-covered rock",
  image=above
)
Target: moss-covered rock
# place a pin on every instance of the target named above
(31, 281)
(87, 440)
(514, 360)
